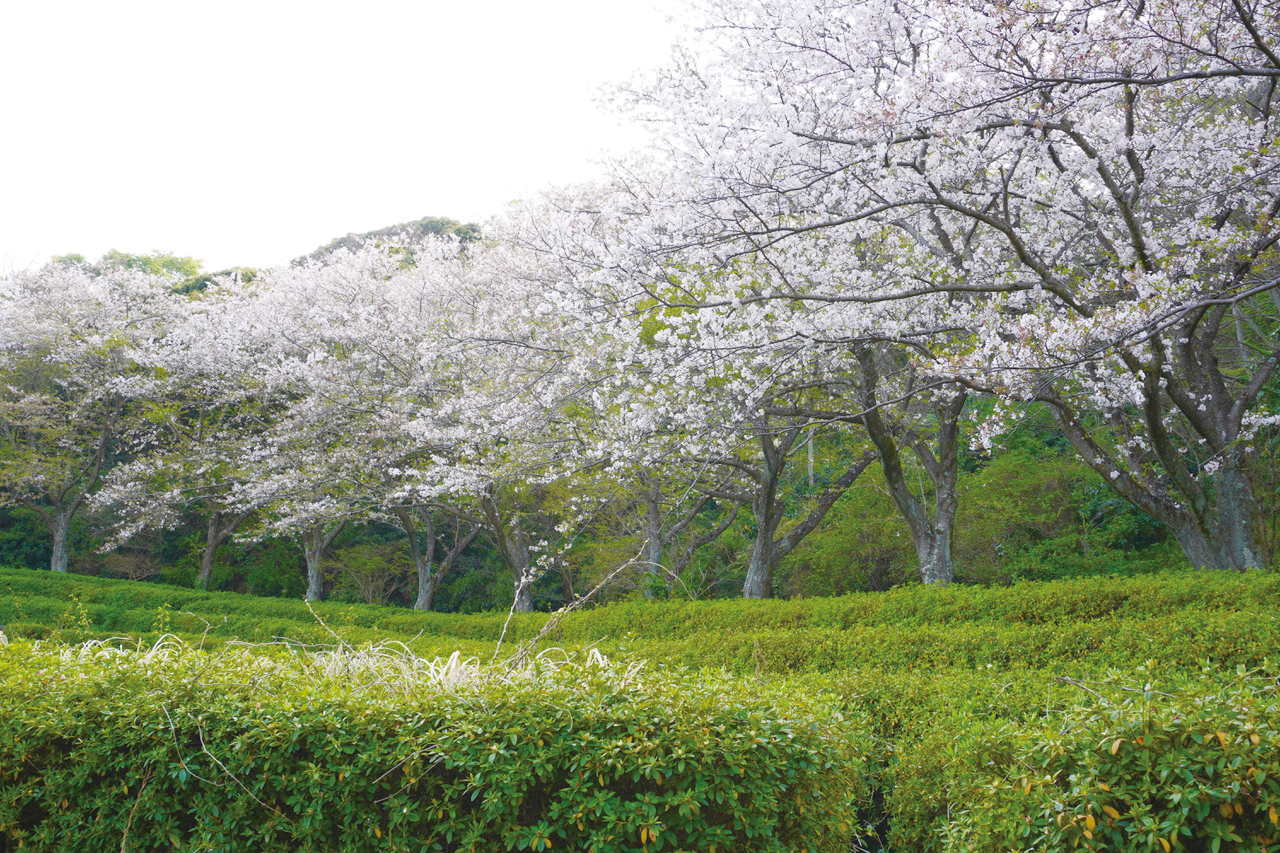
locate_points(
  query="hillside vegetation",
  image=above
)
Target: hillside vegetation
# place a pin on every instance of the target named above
(1111, 714)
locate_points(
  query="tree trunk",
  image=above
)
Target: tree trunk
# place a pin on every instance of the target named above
(423, 557)
(1218, 527)
(523, 581)
(315, 542)
(206, 560)
(759, 581)
(60, 527)
(653, 544)
(513, 546)
(768, 512)
(313, 552)
(1238, 524)
(769, 549)
(426, 595)
(1229, 543)
(930, 530)
(934, 551)
(215, 535)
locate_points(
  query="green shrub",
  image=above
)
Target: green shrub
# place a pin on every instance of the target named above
(169, 748)
(128, 607)
(1157, 764)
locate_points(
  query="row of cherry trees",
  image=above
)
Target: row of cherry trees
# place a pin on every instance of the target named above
(864, 219)
(884, 208)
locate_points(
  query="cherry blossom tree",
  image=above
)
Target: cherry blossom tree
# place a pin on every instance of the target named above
(74, 401)
(414, 376)
(1071, 202)
(706, 366)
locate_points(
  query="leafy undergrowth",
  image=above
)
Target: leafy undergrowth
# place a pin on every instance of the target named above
(250, 749)
(1179, 617)
(1128, 715)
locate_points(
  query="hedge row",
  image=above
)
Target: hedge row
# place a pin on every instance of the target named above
(1190, 638)
(130, 607)
(271, 750)
(1152, 759)
(1153, 764)
(1048, 603)
(239, 750)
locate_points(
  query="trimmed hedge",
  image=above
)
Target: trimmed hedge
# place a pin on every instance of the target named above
(238, 750)
(1033, 760)
(1189, 638)
(129, 606)
(1185, 618)
(1159, 764)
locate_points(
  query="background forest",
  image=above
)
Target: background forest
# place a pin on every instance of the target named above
(1027, 509)
(893, 297)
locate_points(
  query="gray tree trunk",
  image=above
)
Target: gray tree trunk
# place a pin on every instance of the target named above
(653, 540)
(934, 553)
(931, 528)
(760, 565)
(220, 527)
(513, 546)
(769, 549)
(423, 556)
(60, 527)
(768, 512)
(1218, 527)
(1237, 519)
(316, 540)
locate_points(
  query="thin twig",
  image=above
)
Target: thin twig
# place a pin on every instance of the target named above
(124, 839)
(1081, 685)
(205, 750)
(524, 649)
(174, 731)
(341, 642)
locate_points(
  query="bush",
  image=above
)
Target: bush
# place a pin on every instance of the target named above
(172, 748)
(1180, 763)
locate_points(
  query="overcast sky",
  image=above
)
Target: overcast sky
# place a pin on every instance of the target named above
(249, 133)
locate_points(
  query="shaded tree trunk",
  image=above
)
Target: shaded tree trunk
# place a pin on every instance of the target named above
(1225, 537)
(1214, 517)
(654, 544)
(316, 540)
(931, 527)
(219, 528)
(659, 538)
(60, 527)
(768, 513)
(423, 554)
(769, 549)
(513, 546)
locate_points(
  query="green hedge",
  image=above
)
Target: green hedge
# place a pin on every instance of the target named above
(1048, 603)
(1189, 638)
(128, 606)
(1184, 617)
(1014, 761)
(265, 749)
(1161, 764)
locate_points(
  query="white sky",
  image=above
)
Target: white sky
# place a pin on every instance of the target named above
(249, 133)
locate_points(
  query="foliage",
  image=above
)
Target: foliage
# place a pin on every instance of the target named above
(366, 749)
(931, 684)
(862, 546)
(1181, 618)
(1144, 761)
(436, 226)
(157, 263)
(371, 572)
